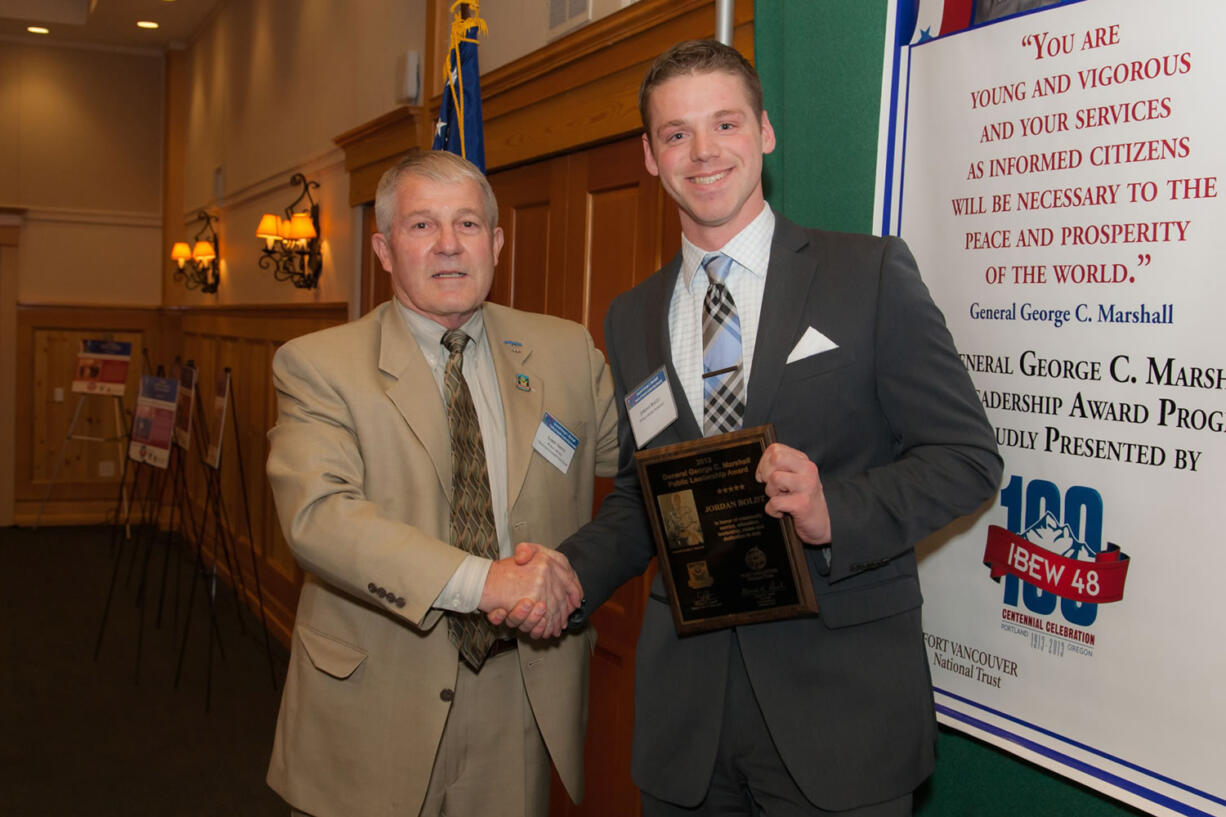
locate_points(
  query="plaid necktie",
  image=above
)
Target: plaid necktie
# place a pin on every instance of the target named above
(723, 377)
(472, 511)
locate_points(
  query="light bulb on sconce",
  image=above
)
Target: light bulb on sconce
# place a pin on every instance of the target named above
(198, 263)
(292, 243)
(269, 230)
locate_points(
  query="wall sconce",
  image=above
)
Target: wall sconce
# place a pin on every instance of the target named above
(204, 253)
(291, 244)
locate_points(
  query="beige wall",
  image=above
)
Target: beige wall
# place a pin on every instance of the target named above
(519, 27)
(80, 150)
(269, 84)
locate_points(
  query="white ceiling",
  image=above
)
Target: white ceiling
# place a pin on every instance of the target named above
(105, 23)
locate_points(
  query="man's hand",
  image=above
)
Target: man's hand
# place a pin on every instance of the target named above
(793, 487)
(535, 591)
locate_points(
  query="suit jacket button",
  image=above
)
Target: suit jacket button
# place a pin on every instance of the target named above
(447, 695)
(372, 587)
(381, 593)
(400, 602)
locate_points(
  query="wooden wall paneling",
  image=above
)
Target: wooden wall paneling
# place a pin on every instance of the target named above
(48, 338)
(245, 339)
(532, 212)
(376, 282)
(583, 88)
(620, 205)
(579, 90)
(54, 364)
(374, 146)
(282, 576)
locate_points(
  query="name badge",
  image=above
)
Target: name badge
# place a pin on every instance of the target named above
(651, 407)
(555, 443)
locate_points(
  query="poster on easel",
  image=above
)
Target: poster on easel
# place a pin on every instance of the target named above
(221, 399)
(1062, 195)
(185, 404)
(154, 421)
(102, 367)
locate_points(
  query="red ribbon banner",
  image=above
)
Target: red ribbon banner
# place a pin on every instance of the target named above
(1097, 582)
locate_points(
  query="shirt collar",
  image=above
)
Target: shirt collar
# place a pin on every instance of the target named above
(429, 335)
(750, 249)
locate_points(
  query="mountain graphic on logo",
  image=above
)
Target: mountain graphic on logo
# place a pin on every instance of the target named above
(1051, 535)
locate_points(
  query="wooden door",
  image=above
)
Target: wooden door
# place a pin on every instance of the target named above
(532, 273)
(582, 228)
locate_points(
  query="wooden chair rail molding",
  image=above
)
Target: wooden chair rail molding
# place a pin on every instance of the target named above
(580, 90)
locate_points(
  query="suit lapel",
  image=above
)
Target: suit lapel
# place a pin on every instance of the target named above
(401, 358)
(789, 277)
(523, 401)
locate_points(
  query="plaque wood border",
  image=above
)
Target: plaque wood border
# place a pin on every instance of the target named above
(794, 571)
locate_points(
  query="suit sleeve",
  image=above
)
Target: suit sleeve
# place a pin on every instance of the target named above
(615, 546)
(945, 464)
(335, 531)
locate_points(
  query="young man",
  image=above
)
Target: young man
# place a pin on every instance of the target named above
(882, 442)
(404, 469)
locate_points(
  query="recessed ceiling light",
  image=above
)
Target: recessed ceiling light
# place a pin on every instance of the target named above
(38, 30)
(146, 24)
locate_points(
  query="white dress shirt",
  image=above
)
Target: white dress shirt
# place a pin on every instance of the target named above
(750, 251)
(462, 592)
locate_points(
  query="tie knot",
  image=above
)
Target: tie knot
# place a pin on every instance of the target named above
(717, 266)
(455, 340)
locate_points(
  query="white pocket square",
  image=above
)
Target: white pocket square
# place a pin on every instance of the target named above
(811, 343)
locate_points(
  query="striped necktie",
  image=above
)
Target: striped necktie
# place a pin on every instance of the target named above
(723, 377)
(472, 510)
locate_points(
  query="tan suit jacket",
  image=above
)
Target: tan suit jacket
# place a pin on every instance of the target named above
(360, 467)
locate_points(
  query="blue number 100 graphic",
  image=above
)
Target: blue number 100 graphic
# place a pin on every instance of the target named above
(1083, 513)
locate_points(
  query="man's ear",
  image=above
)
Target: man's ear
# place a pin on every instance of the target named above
(378, 243)
(768, 134)
(498, 238)
(648, 159)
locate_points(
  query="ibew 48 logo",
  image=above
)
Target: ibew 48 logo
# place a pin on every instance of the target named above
(1052, 555)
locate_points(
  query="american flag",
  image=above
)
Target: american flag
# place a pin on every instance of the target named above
(459, 129)
(934, 18)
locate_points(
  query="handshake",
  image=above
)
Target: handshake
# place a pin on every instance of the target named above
(534, 591)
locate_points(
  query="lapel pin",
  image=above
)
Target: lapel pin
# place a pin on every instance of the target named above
(521, 382)
(515, 345)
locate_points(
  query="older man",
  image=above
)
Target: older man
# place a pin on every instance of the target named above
(413, 448)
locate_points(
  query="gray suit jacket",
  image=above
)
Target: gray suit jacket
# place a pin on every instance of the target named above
(902, 446)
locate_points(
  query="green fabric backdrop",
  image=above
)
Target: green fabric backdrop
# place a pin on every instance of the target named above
(820, 63)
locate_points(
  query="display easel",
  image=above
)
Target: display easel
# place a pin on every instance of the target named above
(215, 509)
(149, 502)
(181, 507)
(88, 383)
(149, 469)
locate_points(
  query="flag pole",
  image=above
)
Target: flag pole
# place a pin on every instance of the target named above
(723, 21)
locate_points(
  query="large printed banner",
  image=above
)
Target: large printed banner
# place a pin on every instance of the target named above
(1062, 192)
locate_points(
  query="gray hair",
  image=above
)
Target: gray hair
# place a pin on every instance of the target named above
(438, 166)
